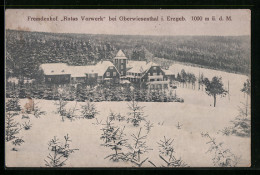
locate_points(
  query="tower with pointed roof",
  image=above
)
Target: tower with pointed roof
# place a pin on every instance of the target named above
(120, 62)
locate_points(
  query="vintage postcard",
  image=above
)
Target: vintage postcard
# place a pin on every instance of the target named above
(127, 88)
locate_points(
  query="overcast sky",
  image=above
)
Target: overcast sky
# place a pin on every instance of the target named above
(17, 19)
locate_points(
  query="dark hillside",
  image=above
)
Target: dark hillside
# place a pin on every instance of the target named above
(25, 51)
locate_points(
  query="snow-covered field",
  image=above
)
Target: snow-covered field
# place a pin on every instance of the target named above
(195, 115)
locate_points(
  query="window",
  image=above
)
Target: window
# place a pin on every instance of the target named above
(151, 74)
(152, 86)
(152, 80)
(49, 79)
(114, 74)
(122, 73)
(122, 66)
(135, 74)
(122, 61)
(154, 68)
(116, 60)
(111, 67)
(139, 74)
(108, 74)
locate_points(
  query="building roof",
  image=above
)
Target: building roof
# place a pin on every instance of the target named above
(55, 69)
(81, 71)
(101, 67)
(167, 72)
(76, 71)
(120, 55)
(140, 66)
(131, 64)
(125, 82)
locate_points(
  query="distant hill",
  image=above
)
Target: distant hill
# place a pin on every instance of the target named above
(25, 51)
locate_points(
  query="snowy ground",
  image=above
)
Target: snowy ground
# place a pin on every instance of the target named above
(195, 115)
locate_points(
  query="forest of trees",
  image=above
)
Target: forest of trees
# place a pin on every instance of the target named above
(25, 51)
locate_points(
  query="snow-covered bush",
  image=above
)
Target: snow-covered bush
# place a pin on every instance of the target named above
(11, 127)
(222, 157)
(27, 125)
(89, 110)
(113, 138)
(136, 114)
(61, 106)
(11, 130)
(37, 111)
(17, 142)
(137, 149)
(25, 117)
(59, 152)
(166, 153)
(117, 117)
(242, 123)
(13, 104)
(148, 126)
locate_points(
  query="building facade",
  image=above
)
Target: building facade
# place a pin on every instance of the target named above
(122, 69)
(120, 62)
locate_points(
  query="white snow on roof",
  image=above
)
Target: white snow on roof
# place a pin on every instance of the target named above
(55, 69)
(167, 72)
(131, 64)
(102, 66)
(140, 66)
(151, 64)
(120, 55)
(13, 80)
(81, 71)
(125, 82)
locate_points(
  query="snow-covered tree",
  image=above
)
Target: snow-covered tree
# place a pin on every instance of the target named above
(59, 152)
(113, 138)
(222, 157)
(136, 113)
(89, 110)
(138, 149)
(214, 88)
(11, 127)
(13, 104)
(166, 151)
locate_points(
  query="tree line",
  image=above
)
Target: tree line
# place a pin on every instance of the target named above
(25, 51)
